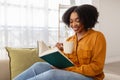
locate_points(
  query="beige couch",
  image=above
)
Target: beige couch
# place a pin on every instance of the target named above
(4, 69)
(5, 73)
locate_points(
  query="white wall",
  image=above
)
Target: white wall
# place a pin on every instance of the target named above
(109, 24)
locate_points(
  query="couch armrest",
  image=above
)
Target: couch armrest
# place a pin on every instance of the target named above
(4, 69)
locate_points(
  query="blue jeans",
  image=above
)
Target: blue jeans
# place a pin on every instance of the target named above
(43, 71)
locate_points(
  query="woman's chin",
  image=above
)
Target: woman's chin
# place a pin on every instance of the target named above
(76, 31)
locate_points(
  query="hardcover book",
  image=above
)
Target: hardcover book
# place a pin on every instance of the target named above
(55, 57)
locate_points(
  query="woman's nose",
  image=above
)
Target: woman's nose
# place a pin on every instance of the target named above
(73, 24)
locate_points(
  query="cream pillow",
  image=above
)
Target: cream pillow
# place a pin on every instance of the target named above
(21, 59)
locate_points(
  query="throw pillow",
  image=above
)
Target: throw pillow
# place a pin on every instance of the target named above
(21, 59)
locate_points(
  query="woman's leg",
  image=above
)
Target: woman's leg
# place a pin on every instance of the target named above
(56, 74)
(35, 69)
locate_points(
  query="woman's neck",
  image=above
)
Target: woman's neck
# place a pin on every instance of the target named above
(80, 34)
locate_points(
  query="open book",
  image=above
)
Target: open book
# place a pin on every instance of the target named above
(54, 57)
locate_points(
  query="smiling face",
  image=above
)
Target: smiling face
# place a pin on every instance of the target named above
(75, 23)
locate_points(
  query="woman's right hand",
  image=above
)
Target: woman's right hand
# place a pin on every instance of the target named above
(59, 46)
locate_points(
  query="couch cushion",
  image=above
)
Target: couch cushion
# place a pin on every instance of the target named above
(21, 59)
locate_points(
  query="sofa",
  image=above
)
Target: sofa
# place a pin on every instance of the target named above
(5, 69)
(5, 72)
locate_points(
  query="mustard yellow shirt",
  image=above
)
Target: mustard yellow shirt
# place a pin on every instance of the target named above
(88, 54)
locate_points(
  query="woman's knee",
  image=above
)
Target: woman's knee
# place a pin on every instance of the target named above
(53, 72)
(38, 64)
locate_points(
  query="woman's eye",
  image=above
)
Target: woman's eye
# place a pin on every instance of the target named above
(77, 20)
(71, 21)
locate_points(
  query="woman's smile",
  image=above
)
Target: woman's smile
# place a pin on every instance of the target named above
(75, 28)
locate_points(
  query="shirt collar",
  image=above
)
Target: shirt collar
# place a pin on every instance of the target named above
(87, 33)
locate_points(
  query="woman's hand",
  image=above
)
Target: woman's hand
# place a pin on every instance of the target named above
(59, 46)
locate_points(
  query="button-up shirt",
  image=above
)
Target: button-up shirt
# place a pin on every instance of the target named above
(88, 54)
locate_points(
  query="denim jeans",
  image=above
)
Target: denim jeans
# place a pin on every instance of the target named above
(43, 71)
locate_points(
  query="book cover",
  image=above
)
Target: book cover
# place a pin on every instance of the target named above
(56, 58)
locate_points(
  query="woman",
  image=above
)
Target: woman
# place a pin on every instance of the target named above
(88, 54)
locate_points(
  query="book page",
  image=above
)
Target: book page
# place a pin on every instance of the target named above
(49, 51)
(42, 47)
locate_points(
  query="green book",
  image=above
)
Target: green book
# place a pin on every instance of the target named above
(56, 58)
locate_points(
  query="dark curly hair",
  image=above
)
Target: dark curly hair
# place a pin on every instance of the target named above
(87, 13)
